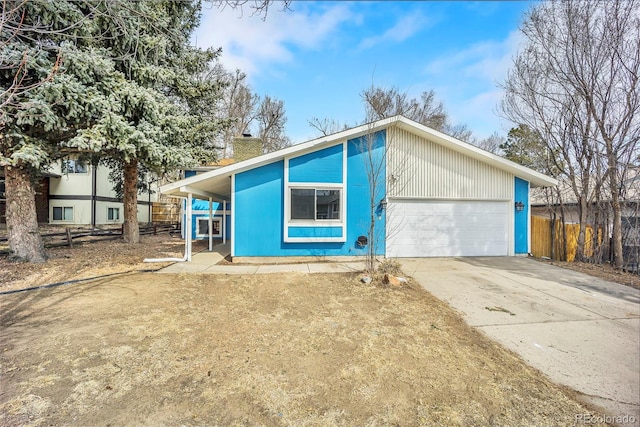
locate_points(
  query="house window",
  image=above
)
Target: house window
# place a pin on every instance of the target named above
(113, 214)
(315, 204)
(74, 166)
(63, 213)
(202, 228)
(2, 189)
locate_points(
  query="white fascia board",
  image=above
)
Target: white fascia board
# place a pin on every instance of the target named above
(536, 178)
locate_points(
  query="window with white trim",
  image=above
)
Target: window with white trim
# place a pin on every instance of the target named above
(63, 213)
(315, 204)
(113, 214)
(202, 227)
(74, 166)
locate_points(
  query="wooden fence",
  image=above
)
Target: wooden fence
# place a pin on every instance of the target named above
(70, 236)
(165, 213)
(565, 249)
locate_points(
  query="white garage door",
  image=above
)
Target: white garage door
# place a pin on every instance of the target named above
(418, 228)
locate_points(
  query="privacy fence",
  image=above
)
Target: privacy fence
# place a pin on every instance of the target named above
(561, 243)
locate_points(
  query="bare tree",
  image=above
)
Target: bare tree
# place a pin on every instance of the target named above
(576, 83)
(271, 118)
(373, 149)
(388, 102)
(492, 143)
(382, 103)
(239, 106)
(327, 126)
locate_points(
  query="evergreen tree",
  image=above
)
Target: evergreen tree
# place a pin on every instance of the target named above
(116, 79)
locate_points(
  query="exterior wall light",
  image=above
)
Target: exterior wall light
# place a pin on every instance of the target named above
(383, 203)
(519, 206)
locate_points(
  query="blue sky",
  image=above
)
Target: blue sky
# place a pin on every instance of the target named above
(320, 56)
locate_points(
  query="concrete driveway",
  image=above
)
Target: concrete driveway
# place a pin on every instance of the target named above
(580, 331)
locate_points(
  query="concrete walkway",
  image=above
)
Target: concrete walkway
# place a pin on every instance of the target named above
(580, 331)
(207, 263)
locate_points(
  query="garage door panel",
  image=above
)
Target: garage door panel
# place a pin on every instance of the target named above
(417, 228)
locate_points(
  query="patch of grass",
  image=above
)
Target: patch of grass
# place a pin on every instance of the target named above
(389, 266)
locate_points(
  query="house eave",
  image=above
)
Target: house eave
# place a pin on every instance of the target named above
(214, 177)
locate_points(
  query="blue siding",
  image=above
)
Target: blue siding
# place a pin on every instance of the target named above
(320, 166)
(315, 231)
(521, 222)
(258, 210)
(259, 206)
(358, 196)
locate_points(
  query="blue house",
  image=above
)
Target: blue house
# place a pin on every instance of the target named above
(405, 189)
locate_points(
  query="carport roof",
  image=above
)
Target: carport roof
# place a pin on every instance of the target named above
(217, 183)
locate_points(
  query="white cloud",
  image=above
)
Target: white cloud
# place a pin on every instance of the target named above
(489, 60)
(468, 82)
(250, 43)
(406, 27)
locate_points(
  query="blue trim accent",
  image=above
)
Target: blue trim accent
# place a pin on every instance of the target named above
(319, 166)
(521, 219)
(315, 231)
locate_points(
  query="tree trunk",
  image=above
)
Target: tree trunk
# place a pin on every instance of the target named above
(22, 222)
(612, 162)
(131, 230)
(618, 260)
(582, 223)
(371, 250)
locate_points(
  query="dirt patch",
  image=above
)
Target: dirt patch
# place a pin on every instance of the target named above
(91, 259)
(601, 271)
(282, 349)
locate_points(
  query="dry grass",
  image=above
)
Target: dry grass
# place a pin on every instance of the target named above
(601, 271)
(90, 260)
(285, 349)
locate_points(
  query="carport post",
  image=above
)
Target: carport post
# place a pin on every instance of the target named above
(210, 224)
(224, 221)
(187, 228)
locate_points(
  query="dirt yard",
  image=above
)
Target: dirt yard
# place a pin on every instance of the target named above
(602, 271)
(286, 349)
(91, 260)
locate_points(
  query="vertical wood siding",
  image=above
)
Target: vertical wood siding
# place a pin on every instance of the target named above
(419, 168)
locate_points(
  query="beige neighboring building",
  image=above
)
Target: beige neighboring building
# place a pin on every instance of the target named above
(83, 195)
(74, 192)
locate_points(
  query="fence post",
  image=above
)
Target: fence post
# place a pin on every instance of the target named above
(69, 239)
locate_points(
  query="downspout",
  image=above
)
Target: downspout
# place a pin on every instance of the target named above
(224, 221)
(210, 225)
(94, 190)
(189, 227)
(149, 218)
(187, 239)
